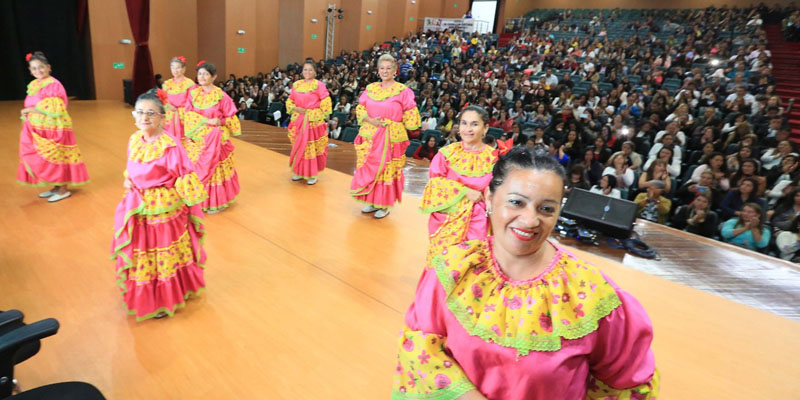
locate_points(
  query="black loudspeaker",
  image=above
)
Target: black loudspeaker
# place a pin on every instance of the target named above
(127, 91)
(613, 217)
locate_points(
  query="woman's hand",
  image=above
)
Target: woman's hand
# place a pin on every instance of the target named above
(213, 121)
(127, 184)
(474, 195)
(379, 122)
(299, 110)
(28, 110)
(169, 107)
(754, 222)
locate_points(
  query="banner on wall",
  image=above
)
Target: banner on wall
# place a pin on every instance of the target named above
(458, 24)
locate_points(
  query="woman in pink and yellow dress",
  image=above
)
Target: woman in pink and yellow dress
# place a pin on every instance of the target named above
(210, 121)
(516, 317)
(385, 111)
(309, 104)
(459, 173)
(48, 154)
(158, 226)
(177, 89)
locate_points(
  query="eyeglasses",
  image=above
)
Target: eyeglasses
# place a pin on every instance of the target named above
(140, 113)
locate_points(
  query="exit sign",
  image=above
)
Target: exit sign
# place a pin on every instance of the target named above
(240, 50)
(119, 65)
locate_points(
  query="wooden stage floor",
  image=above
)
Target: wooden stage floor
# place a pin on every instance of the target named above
(305, 295)
(750, 278)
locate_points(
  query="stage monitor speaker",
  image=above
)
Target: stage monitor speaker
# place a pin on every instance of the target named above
(610, 216)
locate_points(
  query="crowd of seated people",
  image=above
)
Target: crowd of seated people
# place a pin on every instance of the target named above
(676, 110)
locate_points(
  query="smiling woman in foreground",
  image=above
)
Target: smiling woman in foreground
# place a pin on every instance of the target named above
(515, 316)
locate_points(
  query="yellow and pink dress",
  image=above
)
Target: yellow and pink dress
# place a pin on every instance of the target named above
(455, 218)
(48, 154)
(158, 228)
(178, 96)
(569, 333)
(210, 148)
(380, 151)
(308, 131)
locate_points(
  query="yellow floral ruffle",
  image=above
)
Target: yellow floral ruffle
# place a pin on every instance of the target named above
(38, 84)
(316, 148)
(223, 172)
(160, 200)
(151, 264)
(361, 112)
(648, 391)
(54, 107)
(233, 126)
(56, 153)
(411, 119)
(172, 87)
(397, 132)
(194, 124)
(290, 106)
(468, 163)
(425, 371)
(393, 171)
(442, 195)
(193, 148)
(302, 86)
(203, 100)
(567, 301)
(325, 106)
(377, 93)
(142, 152)
(190, 189)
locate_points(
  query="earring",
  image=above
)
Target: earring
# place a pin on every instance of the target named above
(488, 212)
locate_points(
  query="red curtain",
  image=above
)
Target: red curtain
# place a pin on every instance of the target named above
(139, 18)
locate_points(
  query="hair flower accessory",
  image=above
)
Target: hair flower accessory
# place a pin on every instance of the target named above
(28, 56)
(504, 146)
(162, 95)
(201, 62)
(182, 58)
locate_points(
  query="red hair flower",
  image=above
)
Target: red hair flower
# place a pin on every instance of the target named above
(201, 62)
(504, 147)
(162, 95)
(28, 56)
(182, 58)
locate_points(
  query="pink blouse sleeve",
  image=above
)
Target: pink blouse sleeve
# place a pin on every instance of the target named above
(56, 89)
(438, 165)
(322, 91)
(408, 100)
(226, 106)
(622, 360)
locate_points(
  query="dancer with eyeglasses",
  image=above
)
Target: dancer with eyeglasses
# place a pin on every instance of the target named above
(158, 226)
(48, 154)
(210, 121)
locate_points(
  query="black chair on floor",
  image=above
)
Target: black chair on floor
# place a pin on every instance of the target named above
(20, 341)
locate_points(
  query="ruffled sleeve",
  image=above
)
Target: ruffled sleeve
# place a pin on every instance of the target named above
(53, 107)
(188, 185)
(228, 110)
(361, 108)
(411, 118)
(622, 365)
(325, 99)
(441, 193)
(290, 106)
(425, 369)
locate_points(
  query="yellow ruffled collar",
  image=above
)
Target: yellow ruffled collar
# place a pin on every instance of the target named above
(38, 84)
(172, 87)
(565, 301)
(142, 151)
(302, 86)
(203, 100)
(469, 163)
(378, 93)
